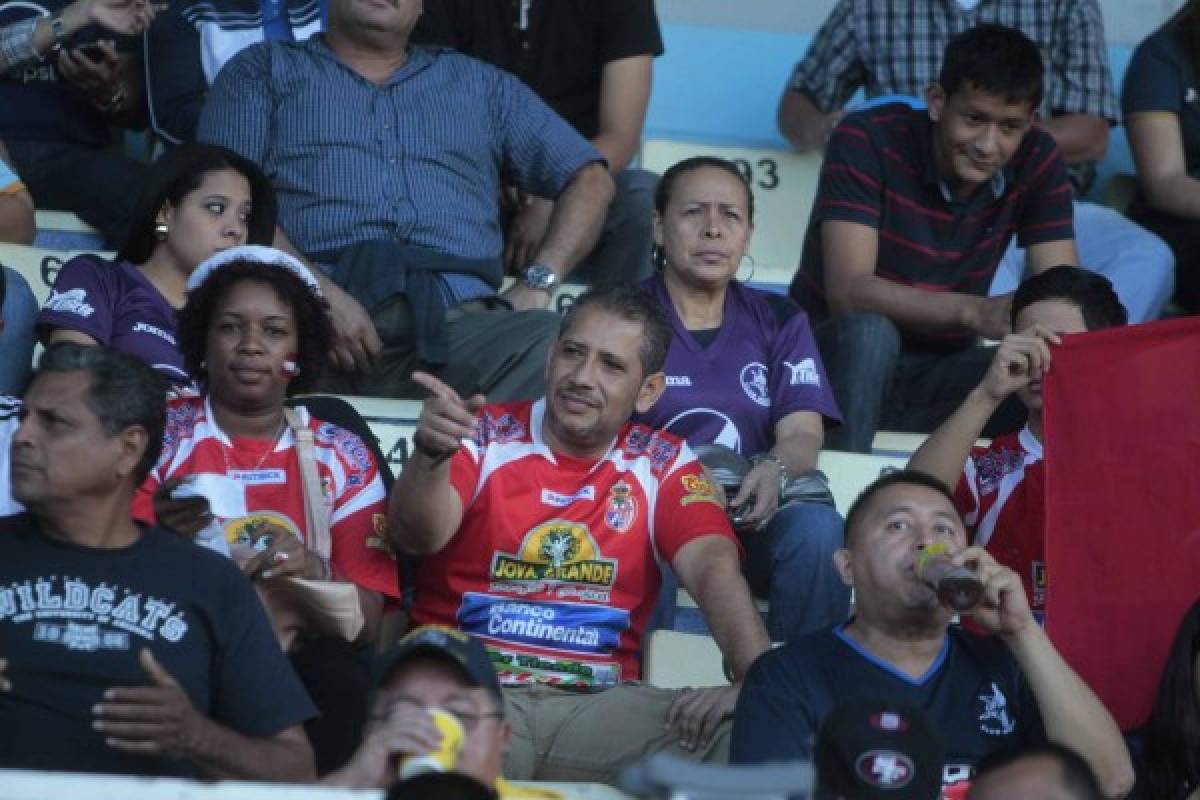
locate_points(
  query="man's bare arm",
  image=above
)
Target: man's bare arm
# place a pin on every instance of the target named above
(624, 95)
(850, 252)
(159, 720)
(425, 511)
(578, 217)
(1045, 255)
(1081, 137)
(709, 568)
(803, 124)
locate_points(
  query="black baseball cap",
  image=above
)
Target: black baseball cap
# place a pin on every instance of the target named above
(869, 749)
(450, 644)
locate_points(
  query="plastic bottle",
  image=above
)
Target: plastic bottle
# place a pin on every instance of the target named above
(957, 587)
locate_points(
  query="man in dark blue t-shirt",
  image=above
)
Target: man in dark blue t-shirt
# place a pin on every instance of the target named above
(983, 693)
(126, 650)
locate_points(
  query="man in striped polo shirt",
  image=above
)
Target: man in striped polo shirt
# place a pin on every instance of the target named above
(912, 215)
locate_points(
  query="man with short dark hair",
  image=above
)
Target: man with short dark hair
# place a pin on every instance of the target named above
(983, 693)
(127, 649)
(887, 48)
(910, 221)
(1001, 487)
(1046, 772)
(542, 526)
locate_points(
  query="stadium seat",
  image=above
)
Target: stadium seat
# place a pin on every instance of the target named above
(37, 265)
(674, 660)
(62, 230)
(850, 473)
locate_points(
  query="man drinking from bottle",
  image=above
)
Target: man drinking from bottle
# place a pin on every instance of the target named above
(984, 693)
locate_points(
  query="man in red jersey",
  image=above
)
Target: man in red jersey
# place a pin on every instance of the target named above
(1001, 488)
(542, 525)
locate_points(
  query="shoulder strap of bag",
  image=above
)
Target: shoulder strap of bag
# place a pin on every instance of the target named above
(316, 518)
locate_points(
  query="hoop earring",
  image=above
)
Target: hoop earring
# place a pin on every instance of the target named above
(658, 257)
(160, 231)
(749, 277)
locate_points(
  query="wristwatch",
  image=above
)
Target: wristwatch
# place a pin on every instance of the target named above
(539, 276)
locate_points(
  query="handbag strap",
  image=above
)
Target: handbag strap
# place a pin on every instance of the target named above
(316, 517)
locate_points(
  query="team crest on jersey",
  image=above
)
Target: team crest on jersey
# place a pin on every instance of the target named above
(558, 551)
(754, 383)
(885, 769)
(643, 441)
(992, 466)
(497, 430)
(622, 507)
(378, 540)
(350, 447)
(994, 719)
(181, 422)
(251, 534)
(699, 490)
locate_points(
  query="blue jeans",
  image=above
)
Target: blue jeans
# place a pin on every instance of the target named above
(16, 337)
(881, 383)
(789, 562)
(622, 253)
(1140, 265)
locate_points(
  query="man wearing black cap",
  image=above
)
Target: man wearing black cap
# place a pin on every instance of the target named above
(433, 667)
(983, 693)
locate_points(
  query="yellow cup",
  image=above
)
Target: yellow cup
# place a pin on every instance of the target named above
(445, 757)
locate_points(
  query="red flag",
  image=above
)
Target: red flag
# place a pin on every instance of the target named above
(1122, 443)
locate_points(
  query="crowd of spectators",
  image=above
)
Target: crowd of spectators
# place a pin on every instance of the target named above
(203, 564)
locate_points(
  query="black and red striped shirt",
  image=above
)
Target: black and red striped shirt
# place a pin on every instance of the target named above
(879, 170)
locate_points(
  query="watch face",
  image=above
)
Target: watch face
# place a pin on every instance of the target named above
(540, 276)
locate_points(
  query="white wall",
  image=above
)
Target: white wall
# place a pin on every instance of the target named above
(1126, 21)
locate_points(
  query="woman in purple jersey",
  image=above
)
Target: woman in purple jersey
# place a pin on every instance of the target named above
(743, 371)
(197, 200)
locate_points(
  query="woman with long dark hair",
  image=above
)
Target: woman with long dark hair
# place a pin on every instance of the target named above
(197, 200)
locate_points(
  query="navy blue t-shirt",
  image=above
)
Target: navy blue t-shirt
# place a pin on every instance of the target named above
(974, 694)
(73, 620)
(36, 103)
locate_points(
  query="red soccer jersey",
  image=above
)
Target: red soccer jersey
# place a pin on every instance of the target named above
(1002, 499)
(271, 488)
(555, 563)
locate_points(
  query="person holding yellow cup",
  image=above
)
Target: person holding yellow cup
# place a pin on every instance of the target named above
(437, 707)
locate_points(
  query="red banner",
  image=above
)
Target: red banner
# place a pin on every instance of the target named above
(1122, 443)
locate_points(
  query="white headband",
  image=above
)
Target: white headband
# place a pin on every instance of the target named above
(258, 254)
